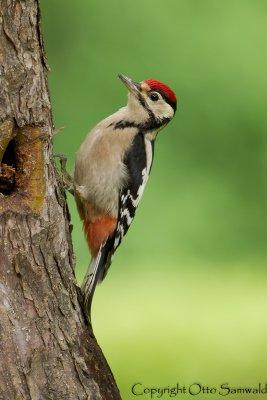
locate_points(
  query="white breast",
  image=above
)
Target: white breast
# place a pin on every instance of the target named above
(99, 170)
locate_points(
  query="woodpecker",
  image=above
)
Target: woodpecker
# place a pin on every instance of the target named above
(112, 167)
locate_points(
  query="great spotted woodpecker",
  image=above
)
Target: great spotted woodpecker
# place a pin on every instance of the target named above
(112, 168)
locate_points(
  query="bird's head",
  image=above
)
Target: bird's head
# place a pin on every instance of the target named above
(150, 102)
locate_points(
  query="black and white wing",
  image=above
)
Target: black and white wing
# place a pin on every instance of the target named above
(138, 161)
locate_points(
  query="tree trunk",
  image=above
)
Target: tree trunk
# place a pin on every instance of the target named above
(47, 351)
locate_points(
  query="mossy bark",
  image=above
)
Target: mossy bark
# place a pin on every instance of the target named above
(47, 351)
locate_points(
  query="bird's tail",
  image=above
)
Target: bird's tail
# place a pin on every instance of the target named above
(95, 274)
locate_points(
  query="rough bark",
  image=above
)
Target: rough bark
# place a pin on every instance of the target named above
(47, 351)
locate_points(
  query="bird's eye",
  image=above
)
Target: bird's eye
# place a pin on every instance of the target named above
(154, 96)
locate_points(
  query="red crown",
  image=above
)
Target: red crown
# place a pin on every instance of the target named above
(161, 87)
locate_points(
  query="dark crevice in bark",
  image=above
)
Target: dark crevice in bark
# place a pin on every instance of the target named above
(7, 175)
(9, 156)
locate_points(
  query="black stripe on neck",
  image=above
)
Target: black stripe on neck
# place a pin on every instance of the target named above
(124, 124)
(149, 125)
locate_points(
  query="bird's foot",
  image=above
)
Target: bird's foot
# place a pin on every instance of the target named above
(66, 178)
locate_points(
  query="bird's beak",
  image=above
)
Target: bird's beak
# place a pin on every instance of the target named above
(133, 87)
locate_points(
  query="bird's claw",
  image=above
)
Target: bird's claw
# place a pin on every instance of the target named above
(66, 179)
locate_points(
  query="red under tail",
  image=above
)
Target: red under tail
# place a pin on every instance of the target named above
(97, 231)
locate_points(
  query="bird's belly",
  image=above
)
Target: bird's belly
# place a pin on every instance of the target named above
(102, 187)
(100, 172)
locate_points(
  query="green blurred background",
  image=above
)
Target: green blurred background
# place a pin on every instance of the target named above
(185, 299)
